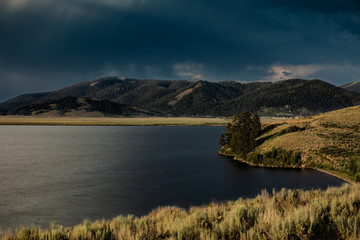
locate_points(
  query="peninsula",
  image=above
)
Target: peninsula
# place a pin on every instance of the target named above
(328, 142)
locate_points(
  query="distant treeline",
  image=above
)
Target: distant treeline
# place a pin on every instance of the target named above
(68, 104)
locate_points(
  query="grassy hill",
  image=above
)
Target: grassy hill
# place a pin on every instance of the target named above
(184, 98)
(328, 141)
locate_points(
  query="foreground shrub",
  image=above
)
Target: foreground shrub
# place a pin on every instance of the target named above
(288, 214)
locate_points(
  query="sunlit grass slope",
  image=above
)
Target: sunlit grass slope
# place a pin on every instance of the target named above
(289, 214)
(329, 141)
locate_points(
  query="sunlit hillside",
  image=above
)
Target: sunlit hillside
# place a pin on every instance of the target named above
(328, 141)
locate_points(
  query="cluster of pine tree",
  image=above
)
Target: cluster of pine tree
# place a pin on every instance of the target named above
(241, 134)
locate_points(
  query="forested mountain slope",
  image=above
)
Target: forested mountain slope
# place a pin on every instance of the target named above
(202, 98)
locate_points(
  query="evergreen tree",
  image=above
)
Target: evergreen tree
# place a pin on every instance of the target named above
(222, 139)
(241, 133)
(256, 125)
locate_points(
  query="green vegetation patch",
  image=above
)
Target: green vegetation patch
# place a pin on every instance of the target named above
(276, 158)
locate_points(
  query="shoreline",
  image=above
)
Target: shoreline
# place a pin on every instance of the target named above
(335, 175)
(293, 167)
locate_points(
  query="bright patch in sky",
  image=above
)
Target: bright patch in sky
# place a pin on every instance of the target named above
(282, 72)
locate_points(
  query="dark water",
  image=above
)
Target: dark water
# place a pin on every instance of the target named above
(67, 174)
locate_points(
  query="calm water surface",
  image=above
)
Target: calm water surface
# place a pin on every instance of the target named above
(66, 174)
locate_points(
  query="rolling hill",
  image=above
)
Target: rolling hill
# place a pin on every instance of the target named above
(184, 98)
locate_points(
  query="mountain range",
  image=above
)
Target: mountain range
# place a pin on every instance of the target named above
(115, 96)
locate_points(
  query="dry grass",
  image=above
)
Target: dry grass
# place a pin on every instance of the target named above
(83, 121)
(318, 131)
(288, 214)
(329, 141)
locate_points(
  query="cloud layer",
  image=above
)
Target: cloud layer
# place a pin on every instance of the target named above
(47, 44)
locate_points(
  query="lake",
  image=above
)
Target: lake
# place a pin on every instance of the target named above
(65, 174)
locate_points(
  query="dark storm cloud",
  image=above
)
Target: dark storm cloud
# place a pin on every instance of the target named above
(47, 44)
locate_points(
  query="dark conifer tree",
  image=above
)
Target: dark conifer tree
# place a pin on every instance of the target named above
(256, 125)
(241, 133)
(222, 139)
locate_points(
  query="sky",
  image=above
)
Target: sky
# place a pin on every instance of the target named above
(50, 44)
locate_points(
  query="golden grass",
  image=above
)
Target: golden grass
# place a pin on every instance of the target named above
(104, 121)
(288, 214)
(317, 127)
(329, 141)
(118, 121)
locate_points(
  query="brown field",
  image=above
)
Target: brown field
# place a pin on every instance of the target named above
(107, 121)
(119, 121)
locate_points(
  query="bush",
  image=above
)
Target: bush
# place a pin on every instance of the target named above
(288, 214)
(276, 157)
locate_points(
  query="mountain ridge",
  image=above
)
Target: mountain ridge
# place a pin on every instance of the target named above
(354, 86)
(202, 98)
